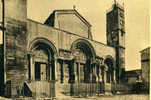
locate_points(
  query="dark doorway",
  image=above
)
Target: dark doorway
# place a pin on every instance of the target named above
(37, 71)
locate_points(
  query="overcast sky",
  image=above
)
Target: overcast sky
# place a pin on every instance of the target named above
(136, 14)
(94, 11)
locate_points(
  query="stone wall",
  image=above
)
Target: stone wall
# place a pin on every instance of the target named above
(16, 9)
(15, 45)
(145, 65)
(71, 21)
(15, 53)
(63, 39)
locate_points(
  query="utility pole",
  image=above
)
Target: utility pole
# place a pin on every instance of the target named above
(2, 27)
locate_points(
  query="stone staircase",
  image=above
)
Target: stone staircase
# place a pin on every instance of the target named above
(40, 89)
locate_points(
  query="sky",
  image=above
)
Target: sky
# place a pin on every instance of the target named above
(94, 11)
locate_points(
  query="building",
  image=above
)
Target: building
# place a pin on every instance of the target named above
(60, 55)
(133, 76)
(115, 21)
(145, 66)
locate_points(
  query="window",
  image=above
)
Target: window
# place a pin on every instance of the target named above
(121, 15)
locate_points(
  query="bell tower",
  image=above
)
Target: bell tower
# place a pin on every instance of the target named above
(115, 24)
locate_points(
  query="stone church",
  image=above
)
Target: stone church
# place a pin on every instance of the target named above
(60, 56)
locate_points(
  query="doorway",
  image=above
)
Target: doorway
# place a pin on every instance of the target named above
(40, 71)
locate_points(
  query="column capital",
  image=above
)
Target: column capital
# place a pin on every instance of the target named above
(104, 67)
(30, 53)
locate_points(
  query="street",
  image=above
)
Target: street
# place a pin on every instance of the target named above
(113, 97)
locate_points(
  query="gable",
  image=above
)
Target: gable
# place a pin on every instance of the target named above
(70, 21)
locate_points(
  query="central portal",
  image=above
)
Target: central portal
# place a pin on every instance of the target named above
(40, 71)
(83, 55)
(41, 65)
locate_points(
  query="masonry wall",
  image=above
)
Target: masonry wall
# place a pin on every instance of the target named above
(15, 45)
(63, 39)
(16, 9)
(145, 71)
(71, 23)
(145, 64)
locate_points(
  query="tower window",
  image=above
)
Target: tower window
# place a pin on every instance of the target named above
(121, 22)
(122, 33)
(121, 15)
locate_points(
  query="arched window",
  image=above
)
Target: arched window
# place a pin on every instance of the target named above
(110, 70)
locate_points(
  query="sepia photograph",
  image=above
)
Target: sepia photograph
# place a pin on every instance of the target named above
(74, 49)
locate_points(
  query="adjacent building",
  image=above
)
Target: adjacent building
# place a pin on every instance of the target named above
(145, 66)
(133, 76)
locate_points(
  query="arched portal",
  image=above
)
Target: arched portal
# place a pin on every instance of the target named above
(83, 53)
(110, 70)
(41, 61)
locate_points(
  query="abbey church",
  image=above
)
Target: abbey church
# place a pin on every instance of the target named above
(60, 56)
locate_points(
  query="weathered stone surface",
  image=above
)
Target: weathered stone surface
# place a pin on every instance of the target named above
(15, 52)
(15, 40)
(16, 9)
(145, 65)
(70, 21)
(63, 39)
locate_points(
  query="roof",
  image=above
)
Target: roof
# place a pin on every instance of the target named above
(133, 73)
(117, 5)
(71, 11)
(148, 48)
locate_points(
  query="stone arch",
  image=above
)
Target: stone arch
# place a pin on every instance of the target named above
(43, 40)
(76, 43)
(109, 63)
(41, 60)
(84, 54)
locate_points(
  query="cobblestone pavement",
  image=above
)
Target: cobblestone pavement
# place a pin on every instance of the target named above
(114, 97)
(111, 97)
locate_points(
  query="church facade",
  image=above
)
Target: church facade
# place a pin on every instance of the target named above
(60, 55)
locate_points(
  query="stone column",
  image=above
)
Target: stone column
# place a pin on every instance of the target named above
(50, 69)
(95, 79)
(55, 68)
(66, 70)
(114, 73)
(32, 67)
(61, 71)
(58, 70)
(75, 71)
(91, 76)
(102, 73)
(99, 74)
(96, 73)
(78, 72)
(105, 75)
